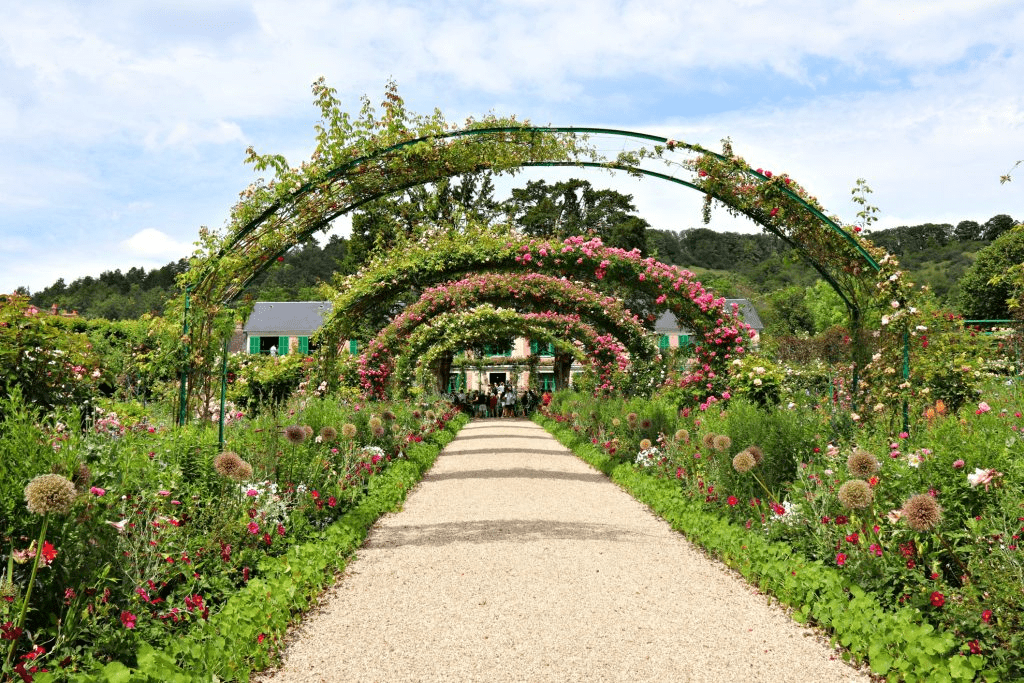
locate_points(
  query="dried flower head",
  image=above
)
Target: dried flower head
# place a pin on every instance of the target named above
(388, 415)
(231, 466)
(632, 419)
(616, 422)
(417, 414)
(8, 589)
(862, 464)
(348, 430)
(50, 493)
(373, 423)
(743, 461)
(295, 434)
(308, 430)
(921, 512)
(757, 453)
(856, 495)
(708, 441)
(645, 424)
(328, 433)
(430, 415)
(645, 444)
(379, 431)
(682, 435)
(721, 442)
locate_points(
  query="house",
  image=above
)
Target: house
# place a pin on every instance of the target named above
(672, 335)
(284, 325)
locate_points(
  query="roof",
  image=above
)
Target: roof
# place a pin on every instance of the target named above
(748, 314)
(277, 317)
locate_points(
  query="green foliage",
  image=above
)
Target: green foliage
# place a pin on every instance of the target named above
(40, 358)
(985, 291)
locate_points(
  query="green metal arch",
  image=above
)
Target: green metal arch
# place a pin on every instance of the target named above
(343, 169)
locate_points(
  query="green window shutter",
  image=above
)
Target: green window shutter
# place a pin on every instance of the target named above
(282, 346)
(353, 346)
(254, 345)
(304, 346)
(533, 347)
(508, 351)
(684, 340)
(549, 349)
(663, 342)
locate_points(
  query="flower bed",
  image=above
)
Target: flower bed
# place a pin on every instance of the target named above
(178, 563)
(909, 558)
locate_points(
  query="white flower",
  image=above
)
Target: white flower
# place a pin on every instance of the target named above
(885, 320)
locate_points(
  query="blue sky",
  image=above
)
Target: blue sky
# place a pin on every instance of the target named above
(123, 124)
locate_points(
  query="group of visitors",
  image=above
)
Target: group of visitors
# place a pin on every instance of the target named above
(500, 400)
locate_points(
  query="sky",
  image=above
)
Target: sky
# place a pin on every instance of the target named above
(124, 123)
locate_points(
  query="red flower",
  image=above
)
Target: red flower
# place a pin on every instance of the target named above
(49, 552)
(254, 528)
(840, 559)
(260, 637)
(975, 647)
(128, 619)
(938, 599)
(986, 616)
(732, 500)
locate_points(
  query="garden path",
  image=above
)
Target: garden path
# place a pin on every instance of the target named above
(515, 561)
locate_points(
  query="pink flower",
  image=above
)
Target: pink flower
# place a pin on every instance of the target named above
(97, 491)
(981, 476)
(128, 619)
(254, 528)
(982, 408)
(163, 493)
(958, 464)
(840, 559)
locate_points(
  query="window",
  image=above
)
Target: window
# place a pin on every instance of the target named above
(663, 342)
(496, 350)
(542, 348)
(304, 346)
(546, 381)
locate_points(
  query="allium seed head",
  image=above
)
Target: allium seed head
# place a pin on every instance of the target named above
(417, 414)
(230, 466)
(757, 453)
(308, 430)
(430, 415)
(856, 495)
(373, 423)
(379, 431)
(721, 442)
(743, 462)
(708, 441)
(645, 444)
(295, 434)
(388, 415)
(862, 464)
(921, 512)
(348, 430)
(632, 419)
(8, 589)
(616, 422)
(682, 435)
(328, 433)
(645, 424)
(50, 493)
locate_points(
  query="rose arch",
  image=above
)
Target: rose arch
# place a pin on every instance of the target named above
(453, 330)
(723, 335)
(534, 293)
(359, 159)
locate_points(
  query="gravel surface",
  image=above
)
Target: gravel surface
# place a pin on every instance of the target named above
(516, 561)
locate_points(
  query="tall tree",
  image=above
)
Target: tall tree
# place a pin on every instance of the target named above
(574, 207)
(985, 291)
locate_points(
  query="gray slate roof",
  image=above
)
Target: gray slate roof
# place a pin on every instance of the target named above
(298, 318)
(667, 321)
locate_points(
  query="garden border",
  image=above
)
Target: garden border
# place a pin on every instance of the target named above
(893, 644)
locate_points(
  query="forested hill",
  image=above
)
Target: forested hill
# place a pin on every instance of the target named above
(758, 266)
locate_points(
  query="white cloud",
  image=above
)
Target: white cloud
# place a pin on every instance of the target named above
(153, 244)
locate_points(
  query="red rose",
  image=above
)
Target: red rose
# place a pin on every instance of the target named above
(938, 599)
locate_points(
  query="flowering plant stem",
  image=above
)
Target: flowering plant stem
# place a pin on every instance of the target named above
(28, 592)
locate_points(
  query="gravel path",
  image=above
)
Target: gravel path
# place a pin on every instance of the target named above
(515, 561)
